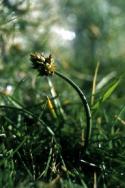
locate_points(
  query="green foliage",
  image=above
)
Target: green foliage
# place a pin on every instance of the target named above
(106, 94)
(42, 131)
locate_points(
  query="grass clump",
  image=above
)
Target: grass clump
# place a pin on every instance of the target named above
(46, 141)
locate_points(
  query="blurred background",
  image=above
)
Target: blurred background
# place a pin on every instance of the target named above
(77, 33)
(81, 35)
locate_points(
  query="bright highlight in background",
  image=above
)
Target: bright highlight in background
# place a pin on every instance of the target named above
(63, 33)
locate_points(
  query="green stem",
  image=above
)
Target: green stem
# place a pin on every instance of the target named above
(85, 104)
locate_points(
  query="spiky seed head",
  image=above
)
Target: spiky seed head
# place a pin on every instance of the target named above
(44, 65)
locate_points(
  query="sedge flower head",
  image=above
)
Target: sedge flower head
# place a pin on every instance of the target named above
(44, 65)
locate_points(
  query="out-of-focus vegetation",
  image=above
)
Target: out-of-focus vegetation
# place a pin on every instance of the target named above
(41, 144)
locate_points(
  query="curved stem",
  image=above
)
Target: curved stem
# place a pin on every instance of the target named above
(85, 104)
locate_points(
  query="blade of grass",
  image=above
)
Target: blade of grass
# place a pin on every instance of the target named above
(107, 94)
(94, 83)
(55, 98)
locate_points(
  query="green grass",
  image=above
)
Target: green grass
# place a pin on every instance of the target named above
(45, 137)
(42, 144)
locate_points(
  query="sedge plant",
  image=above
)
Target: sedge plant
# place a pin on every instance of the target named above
(46, 67)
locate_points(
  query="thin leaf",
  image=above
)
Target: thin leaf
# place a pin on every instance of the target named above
(110, 90)
(107, 94)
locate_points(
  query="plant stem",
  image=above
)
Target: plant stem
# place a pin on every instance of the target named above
(85, 104)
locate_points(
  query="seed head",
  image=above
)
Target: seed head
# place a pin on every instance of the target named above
(44, 65)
